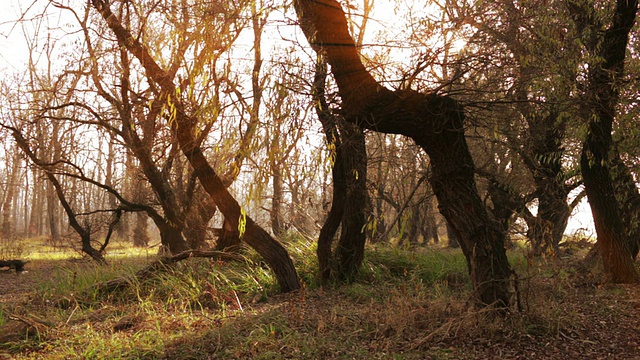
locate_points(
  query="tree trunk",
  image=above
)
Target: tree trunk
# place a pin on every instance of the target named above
(54, 232)
(171, 237)
(200, 212)
(414, 224)
(140, 234)
(380, 225)
(612, 246)
(275, 214)
(429, 229)
(334, 218)
(142, 148)
(11, 187)
(35, 212)
(550, 222)
(229, 239)
(436, 124)
(452, 237)
(596, 158)
(629, 199)
(350, 247)
(184, 128)
(348, 153)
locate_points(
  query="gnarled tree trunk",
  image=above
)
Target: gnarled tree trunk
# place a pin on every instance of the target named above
(629, 198)
(184, 128)
(435, 123)
(350, 196)
(596, 158)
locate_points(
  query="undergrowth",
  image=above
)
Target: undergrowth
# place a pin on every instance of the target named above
(404, 304)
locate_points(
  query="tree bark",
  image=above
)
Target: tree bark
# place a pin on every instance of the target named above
(350, 197)
(184, 128)
(435, 123)
(629, 199)
(140, 235)
(11, 187)
(596, 158)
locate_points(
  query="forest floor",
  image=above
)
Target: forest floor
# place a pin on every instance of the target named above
(397, 310)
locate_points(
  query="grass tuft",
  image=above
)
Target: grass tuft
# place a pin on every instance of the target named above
(403, 305)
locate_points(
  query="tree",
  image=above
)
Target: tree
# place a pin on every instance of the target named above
(435, 122)
(83, 231)
(607, 51)
(349, 169)
(185, 129)
(12, 174)
(517, 75)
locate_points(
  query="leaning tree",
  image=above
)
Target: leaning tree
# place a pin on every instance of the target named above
(606, 48)
(186, 125)
(436, 123)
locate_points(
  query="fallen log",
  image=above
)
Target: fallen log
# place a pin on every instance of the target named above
(17, 265)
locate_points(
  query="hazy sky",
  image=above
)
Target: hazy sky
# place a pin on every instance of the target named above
(15, 21)
(12, 49)
(24, 19)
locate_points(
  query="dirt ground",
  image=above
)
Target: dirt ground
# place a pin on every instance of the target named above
(606, 326)
(15, 287)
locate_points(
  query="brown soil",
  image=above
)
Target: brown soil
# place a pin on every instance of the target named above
(590, 323)
(16, 286)
(559, 321)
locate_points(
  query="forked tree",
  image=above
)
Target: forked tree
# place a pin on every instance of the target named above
(435, 123)
(349, 170)
(607, 49)
(185, 128)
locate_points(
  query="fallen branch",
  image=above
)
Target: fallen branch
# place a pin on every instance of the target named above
(164, 263)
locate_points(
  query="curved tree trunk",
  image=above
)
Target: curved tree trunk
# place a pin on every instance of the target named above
(184, 128)
(595, 161)
(83, 232)
(349, 170)
(435, 123)
(350, 248)
(271, 250)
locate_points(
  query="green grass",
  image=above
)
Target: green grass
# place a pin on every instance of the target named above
(401, 302)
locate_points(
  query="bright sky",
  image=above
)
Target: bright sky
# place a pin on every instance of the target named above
(14, 53)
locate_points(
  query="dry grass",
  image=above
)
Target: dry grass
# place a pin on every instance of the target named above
(405, 305)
